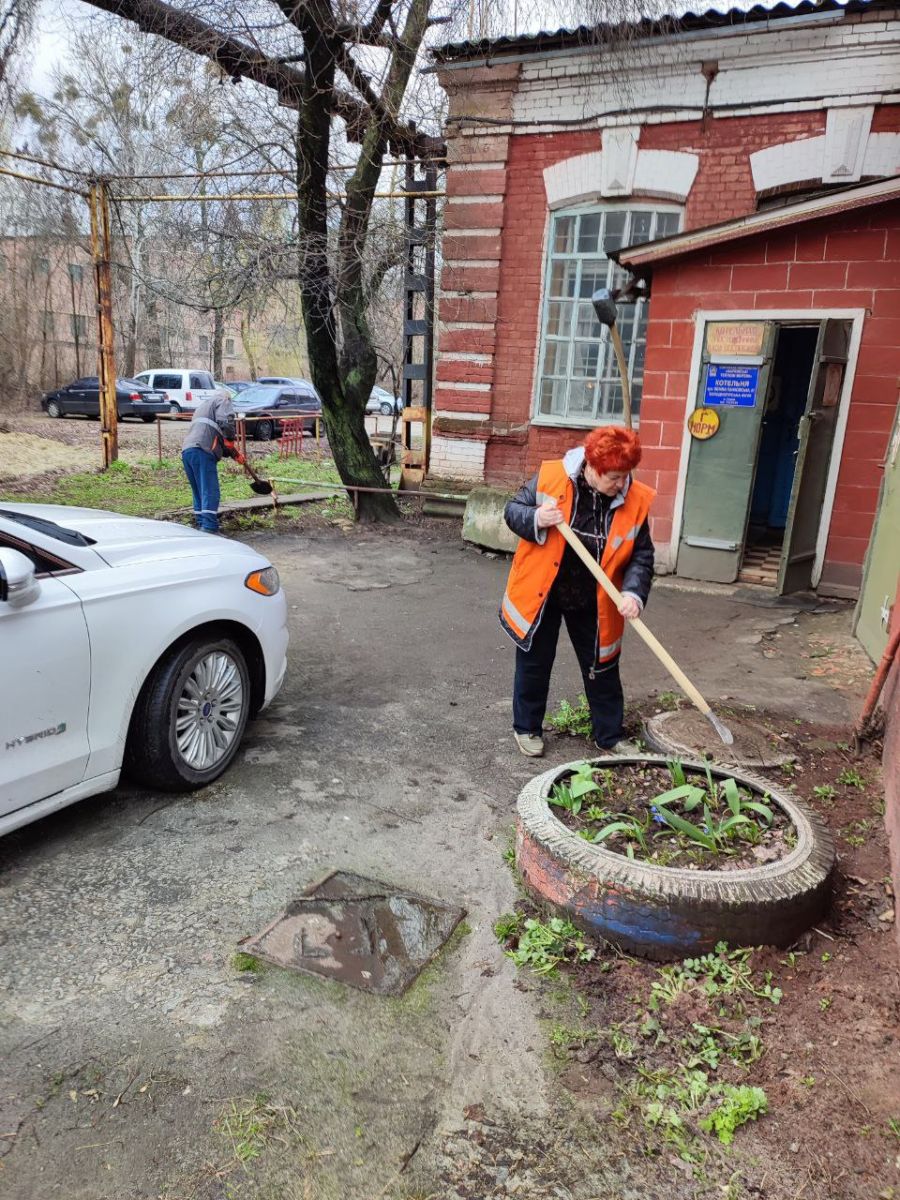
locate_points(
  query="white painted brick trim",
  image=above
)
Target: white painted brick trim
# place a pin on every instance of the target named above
(461, 416)
(457, 458)
(473, 232)
(447, 386)
(669, 174)
(483, 360)
(466, 325)
(471, 262)
(454, 200)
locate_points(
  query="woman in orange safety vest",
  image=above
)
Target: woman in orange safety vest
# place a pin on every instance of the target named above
(592, 488)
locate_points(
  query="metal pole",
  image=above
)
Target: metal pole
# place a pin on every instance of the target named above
(106, 366)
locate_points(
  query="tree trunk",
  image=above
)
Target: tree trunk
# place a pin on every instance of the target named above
(218, 333)
(247, 342)
(344, 421)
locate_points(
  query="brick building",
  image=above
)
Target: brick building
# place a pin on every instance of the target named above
(736, 163)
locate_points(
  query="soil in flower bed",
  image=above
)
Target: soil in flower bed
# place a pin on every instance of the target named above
(624, 815)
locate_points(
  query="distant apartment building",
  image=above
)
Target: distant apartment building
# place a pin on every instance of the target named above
(48, 323)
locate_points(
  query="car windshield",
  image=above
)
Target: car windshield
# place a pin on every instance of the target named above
(49, 528)
(252, 396)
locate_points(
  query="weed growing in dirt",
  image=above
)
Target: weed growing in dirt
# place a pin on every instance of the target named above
(850, 777)
(669, 701)
(246, 962)
(856, 833)
(739, 1105)
(572, 719)
(724, 973)
(544, 945)
(564, 1039)
(250, 1126)
(541, 945)
(825, 792)
(893, 1125)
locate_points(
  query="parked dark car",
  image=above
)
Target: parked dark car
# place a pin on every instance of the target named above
(270, 405)
(82, 398)
(240, 385)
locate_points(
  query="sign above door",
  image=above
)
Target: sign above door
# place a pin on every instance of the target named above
(735, 338)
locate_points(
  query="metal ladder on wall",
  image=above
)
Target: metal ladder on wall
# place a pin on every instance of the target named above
(418, 323)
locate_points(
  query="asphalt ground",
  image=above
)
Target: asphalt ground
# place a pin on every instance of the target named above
(138, 1061)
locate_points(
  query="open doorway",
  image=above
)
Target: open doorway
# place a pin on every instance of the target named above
(795, 354)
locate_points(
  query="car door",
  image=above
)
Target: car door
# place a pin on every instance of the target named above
(202, 387)
(45, 696)
(75, 397)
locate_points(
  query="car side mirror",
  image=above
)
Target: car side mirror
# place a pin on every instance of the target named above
(18, 586)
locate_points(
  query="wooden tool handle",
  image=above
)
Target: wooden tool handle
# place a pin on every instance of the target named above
(623, 372)
(636, 624)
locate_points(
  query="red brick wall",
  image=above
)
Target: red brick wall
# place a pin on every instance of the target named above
(722, 189)
(851, 261)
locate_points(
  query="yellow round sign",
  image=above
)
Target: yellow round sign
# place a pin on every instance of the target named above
(703, 423)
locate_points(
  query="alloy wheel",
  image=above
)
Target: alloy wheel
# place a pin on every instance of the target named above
(208, 711)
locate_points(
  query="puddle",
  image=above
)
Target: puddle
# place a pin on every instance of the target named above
(358, 931)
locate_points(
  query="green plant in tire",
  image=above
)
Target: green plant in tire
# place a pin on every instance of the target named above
(570, 795)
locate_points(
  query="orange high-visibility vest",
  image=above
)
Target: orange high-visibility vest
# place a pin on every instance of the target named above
(535, 566)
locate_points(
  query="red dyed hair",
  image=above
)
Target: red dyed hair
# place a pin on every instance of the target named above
(612, 448)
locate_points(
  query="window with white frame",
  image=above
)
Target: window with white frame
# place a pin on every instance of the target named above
(578, 380)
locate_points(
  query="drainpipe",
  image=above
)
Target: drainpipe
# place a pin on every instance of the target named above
(861, 729)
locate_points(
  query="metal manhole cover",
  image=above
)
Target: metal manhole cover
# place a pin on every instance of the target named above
(359, 931)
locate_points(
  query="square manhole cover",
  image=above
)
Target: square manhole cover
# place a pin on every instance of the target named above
(356, 930)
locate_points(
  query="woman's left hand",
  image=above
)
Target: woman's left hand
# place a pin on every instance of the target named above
(629, 608)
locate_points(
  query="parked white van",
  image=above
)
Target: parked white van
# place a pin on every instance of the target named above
(186, 389)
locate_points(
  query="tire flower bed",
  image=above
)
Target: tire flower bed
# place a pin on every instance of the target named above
(669, 859)
(672, 816)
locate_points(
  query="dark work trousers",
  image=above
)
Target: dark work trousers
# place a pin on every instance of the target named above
(202, 471)
(533, 667)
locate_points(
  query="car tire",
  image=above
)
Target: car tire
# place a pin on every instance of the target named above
(665, 913)
(147, 419)
(174, 408)
(263, 431)
(55, 410)
(387, 409)
(160, 755)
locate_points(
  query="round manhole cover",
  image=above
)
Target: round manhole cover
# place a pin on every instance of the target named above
(687, 733)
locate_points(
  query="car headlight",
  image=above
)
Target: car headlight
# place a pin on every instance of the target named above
(266, 582)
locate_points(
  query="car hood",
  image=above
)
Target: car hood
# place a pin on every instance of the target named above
(121, 540)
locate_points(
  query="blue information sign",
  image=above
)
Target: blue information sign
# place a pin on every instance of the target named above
(731, 385)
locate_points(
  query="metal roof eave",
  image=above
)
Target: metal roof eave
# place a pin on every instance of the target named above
(640, 259)
(664, 27)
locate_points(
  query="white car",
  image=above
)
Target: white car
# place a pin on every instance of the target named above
(384, 402)
(186, 389)
(126, 643)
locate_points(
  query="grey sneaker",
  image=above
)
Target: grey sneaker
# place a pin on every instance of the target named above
(531, 744)
(625, 748)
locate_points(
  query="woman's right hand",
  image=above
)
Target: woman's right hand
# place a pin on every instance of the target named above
(549, 514)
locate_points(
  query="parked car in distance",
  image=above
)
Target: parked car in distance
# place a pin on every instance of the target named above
(186, 388)
(82, 398)
(225, 387)
(128, 645)
(270, 404)
(383, 401)
(286, 380)
(240, 385)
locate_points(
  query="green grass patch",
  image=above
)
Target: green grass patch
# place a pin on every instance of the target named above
(246, 962)
(150, 488)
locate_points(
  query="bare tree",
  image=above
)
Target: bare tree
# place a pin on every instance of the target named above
(16, 17)
(351, 61)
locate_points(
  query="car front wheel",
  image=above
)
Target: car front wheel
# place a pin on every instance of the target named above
(54, 409)
(263, 431)
(387, 409)
(190, 716)
(175, 408)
